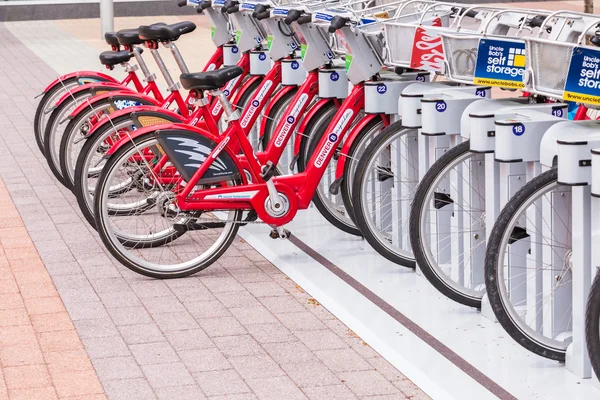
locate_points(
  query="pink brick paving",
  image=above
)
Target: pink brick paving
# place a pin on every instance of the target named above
(239, 330)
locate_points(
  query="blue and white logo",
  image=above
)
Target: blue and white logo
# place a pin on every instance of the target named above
(440, 106)
(583, 78)
(262, 56)
(234, 49)
(500, 63)
(381, 88)
(518, 129)
(334, 76)
(255, 103)
(333, 137)
(323, 17)
(280, 11)
(226, 92)
(291, 119)
(329, 55)
(295, 65)
(558, 112)
(121, 104)
(480, 92)
(421, 78)
(293, 45)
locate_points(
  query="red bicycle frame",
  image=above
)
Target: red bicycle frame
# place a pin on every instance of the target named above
(299, 189)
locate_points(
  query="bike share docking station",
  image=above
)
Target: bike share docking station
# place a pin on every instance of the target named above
(510, 138)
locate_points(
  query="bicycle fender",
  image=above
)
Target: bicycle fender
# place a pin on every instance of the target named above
(86, 77)
(245, 86)
(153, 128)
(309, 115)
(121, 99)
(98, 87)
(280, 93)
(159, 112)
(354, 133)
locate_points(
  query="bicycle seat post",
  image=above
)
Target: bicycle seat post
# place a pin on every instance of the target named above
(137, 53)
(178, 57)
(171, 84)
(227, 110)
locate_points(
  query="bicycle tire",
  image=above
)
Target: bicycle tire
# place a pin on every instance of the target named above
(592, 324)
(357, 197)
(351, 157)
(495, 242)
(429, 270)
(38, 127)
(117, 250)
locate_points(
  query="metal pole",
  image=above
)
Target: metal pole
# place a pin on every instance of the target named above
(107, 15)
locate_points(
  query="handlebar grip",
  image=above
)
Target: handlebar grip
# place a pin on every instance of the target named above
(205, 4)
(233, 9)
(292, 16)
(259, 9)
(471, 14)
(263, 15)
(337, 22)
(305, 19)
(227, 5)
(536, 21)
(182, 3)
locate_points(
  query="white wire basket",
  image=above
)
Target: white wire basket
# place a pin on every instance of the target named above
(549, 59)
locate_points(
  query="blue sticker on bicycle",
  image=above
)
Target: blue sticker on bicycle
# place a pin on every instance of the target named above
(234, 49)
(518, 129)
(334, 76)
(262, 56)
(295, 65)
(500, 63)
(440, 106)
(121, 104)
(583, 78)
(381, 88)
(558, 112)
(480, 93)
(420, 78)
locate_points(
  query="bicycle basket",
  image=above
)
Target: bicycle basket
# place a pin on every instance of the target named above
(460, 53)
(548, 62)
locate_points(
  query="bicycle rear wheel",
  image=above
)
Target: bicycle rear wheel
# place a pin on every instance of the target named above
(152, 227)
(528, 267)
(49, 99)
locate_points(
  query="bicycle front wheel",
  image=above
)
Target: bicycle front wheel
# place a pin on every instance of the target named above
(592, 325)
(157, 239)
(447, 225)
(528, 267)
(384, 185)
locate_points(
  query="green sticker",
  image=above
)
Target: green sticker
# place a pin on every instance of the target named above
(348, 62)
(269, 41)
(303, 48)
(238, 34)
(213, 30)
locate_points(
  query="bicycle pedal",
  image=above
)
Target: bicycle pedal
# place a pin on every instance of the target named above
(268, 170)
(251, 217)
(196, 226)
(334, 189)
(280, 233)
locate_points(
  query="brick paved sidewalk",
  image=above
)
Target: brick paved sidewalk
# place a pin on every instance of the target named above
(239, 330)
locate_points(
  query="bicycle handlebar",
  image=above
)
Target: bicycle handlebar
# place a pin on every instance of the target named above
(182, 3)
(536, 21)
(259, 9)
(229, 4)
(305, 19)
(337, 22)
(292, 16)
(460, 11)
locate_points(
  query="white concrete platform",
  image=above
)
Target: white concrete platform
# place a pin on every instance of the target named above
(448, 350)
